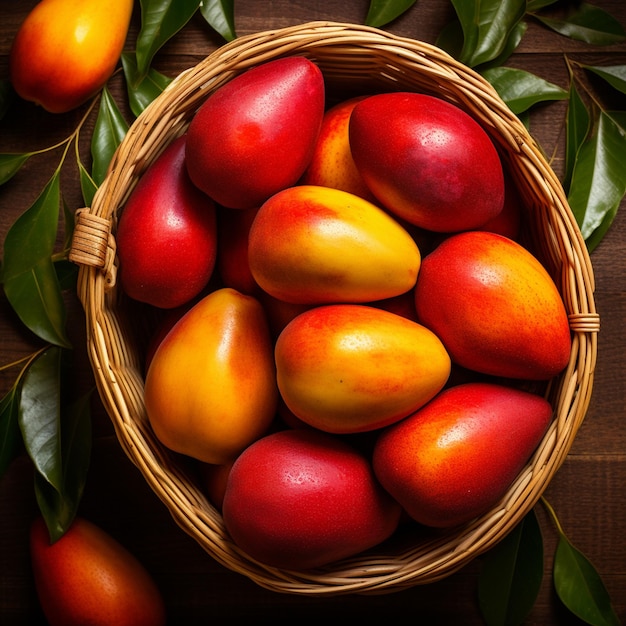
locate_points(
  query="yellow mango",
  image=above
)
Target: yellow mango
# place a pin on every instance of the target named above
(211, 389)
(349, 368)
(317, 245)
(66, 50)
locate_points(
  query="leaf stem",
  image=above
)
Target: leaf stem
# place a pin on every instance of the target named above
(553, 515)
(28, 359)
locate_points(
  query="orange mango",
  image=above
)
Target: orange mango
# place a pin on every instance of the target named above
(494, 307)
(66, 50)
(350, 368)
(210, 389)
(314, 245)
(332, 164)
(88, 577)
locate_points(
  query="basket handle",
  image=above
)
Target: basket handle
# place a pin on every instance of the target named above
(93, 244)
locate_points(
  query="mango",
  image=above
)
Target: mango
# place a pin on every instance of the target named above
(332, 164)
(349, 368)
(88, 577)
(65, 50)
(210, 389)
(255, 135)
(233, 227)
(317, 245)
(300, 499)
(430, 162)
(456, 457)
(494, 307)
(167, 234)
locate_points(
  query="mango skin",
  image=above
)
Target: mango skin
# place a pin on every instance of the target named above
(317, 245)
(88, 577)
(430, 163)
(211, 389)
(300, 499)
(167, 234)
(494, 307)
(349, 368)
(255, 135)
(332, 164)
(456, 457)
(66, 50)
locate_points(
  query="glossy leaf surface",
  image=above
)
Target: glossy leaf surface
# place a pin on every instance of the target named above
(30, 281)
(160, 21)
(40, 415)
(521, 89)
(142, 90)
(615, 75)
(587, 23)
(598, 179)
(486, 27)
(580, 587)
(577, 126)
(110, 129)
(511, 575)
(59, 507)
(382, 12)
(10, 165)
(220, 16)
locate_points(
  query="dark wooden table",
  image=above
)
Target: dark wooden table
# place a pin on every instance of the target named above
(588, 492)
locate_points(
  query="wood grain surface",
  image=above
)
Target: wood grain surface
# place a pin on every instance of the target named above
(588, 492)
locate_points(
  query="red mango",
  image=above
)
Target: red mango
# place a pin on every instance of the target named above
(167, 234)
(455, 457)
(88, 577)
(427, 161)
(255, 135)
(299, 499)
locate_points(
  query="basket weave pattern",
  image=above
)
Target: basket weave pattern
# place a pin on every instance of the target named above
(354, 59)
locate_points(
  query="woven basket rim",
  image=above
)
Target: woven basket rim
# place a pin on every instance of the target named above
(352, 53)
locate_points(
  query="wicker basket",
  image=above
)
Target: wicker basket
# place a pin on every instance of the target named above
(354, 59)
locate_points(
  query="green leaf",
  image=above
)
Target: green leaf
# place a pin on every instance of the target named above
(160, 21)
(30, 282)
(598, 178)
(514, 40)
(381, 12)
(220, 15)
(9, 428)
(511, 575)
(521, 89)
(142, 90)
(580, 587)
(615, 75)
(577, 126)
(536, 5)
(10, 164)
(487, 26)
(88, 185)
(59, 507)
(39, 415)
(587, 23)
(109, 131)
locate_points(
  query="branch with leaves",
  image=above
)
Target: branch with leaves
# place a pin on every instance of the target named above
(39, 412)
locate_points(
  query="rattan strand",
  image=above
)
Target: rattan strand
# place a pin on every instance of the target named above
(356, 59)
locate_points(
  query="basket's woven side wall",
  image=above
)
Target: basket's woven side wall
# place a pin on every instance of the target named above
(354, 59)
